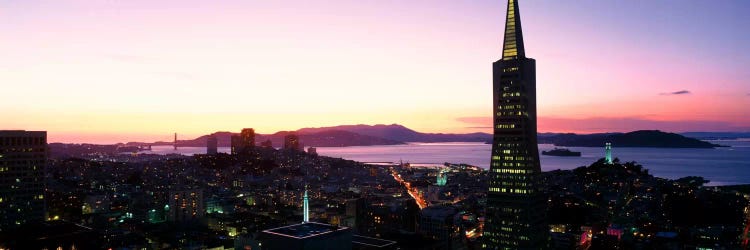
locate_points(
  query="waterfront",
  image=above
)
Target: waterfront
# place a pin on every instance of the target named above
(722, 166)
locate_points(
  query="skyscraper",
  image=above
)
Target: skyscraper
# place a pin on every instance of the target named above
(516, 208)
(248, 137)
(236, 144)
(23, 156)
(212, 145)
(244, 142)
(291, 142)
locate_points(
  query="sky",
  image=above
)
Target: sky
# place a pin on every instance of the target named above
(140, 70)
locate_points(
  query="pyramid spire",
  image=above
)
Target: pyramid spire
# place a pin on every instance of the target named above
(513, 40)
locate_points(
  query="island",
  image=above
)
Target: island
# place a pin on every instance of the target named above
(640, 138)
(561, 152)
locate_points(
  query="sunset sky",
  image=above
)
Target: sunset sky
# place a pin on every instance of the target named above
(116, 70)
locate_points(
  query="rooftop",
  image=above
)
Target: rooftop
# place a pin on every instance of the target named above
(22, 133)
(304, 230)
(36, 231)
(372, 242)
(439, 211)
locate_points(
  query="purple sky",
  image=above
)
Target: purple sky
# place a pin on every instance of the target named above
(108, 71)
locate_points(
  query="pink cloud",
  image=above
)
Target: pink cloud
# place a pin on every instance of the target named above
(614, 124)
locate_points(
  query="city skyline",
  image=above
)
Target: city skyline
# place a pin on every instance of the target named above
(337, 125)
(139, 71)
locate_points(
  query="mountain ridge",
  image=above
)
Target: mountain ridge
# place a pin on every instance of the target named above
(399, 132)
(395, 134)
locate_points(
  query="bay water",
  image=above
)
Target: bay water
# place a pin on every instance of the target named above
(722, 166)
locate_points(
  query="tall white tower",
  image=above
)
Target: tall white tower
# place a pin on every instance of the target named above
(608, 152)
(305, 208)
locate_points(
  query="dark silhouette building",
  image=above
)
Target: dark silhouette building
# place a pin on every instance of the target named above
(291, 142)
(248, 137)
(267, 144)
(516, 208)
(212, 145)
(51, 235)
(309, 235)
(235, 144)
(23, 156)
(243, 143)
(443, 224)
(376, 216)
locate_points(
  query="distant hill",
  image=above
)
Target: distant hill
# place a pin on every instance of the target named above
(323, 138)
(368, 135)
(345, 135)
(398, 132)
(640, 138)
(717, 135)
(331, 138)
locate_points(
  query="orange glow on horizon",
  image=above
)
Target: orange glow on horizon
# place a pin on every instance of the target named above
(119, 71)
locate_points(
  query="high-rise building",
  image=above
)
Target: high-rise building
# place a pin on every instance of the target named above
(241, 144)
(248, 137)
(23, 156)
(291, 142)
(212, 145)
(236, 144)
(516, 207)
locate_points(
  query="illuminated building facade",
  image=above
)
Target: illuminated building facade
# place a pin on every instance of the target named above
(305, 207)
(516, 208)
(442, 177)
(23, 156)
(608, 153)
(185, 205)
